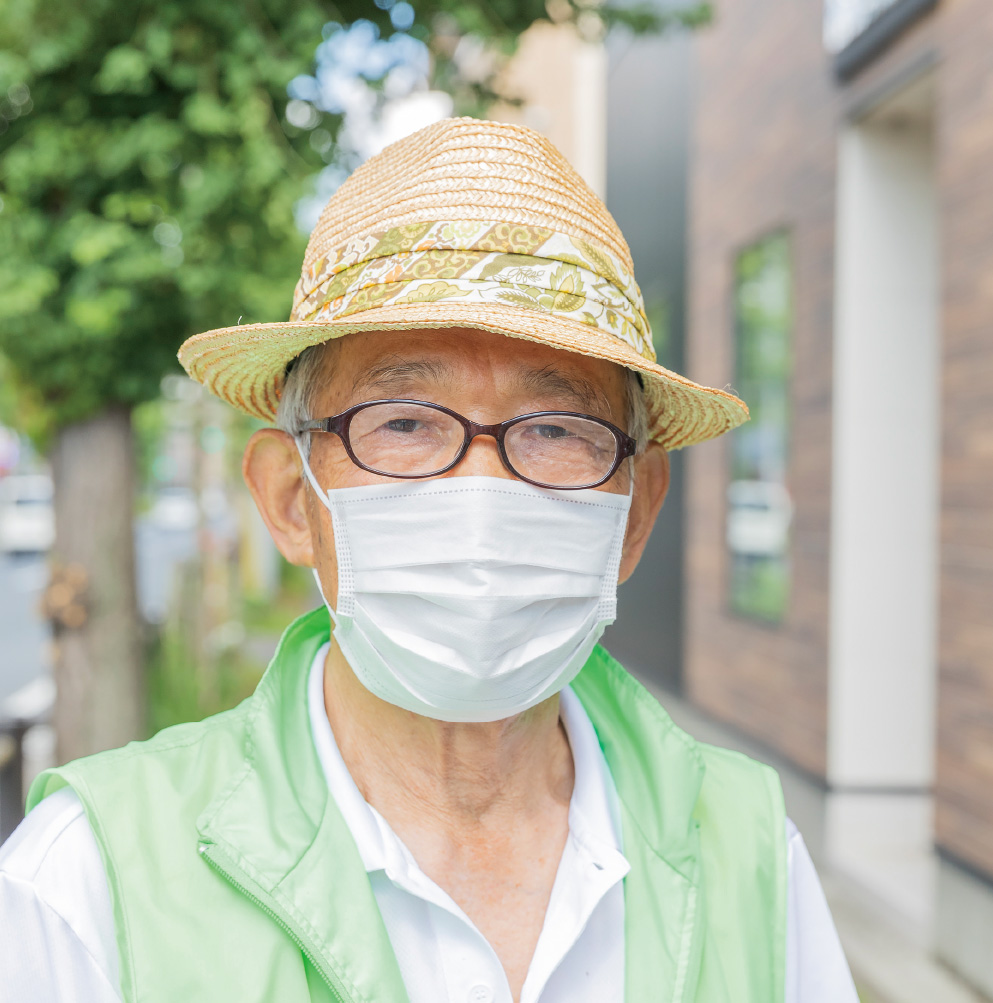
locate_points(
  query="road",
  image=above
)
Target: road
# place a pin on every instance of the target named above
(23, 633)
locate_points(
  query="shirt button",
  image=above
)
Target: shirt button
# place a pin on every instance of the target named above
(480, 994)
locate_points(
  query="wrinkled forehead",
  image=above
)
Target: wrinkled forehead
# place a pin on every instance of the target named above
(466, 364)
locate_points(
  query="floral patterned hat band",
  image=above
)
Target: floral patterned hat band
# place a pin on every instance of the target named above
(530, 267)
(471, 225)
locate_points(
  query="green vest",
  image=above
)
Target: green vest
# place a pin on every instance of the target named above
(234, 878)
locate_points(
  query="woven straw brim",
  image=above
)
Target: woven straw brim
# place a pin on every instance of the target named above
(245, 365)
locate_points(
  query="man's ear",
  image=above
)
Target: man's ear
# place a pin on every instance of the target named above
(274, 474)
(651, 482)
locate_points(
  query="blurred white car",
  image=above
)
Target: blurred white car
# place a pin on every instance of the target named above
(759, 516)
(27, 518)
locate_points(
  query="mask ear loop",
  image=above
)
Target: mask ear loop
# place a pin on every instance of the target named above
(607, 608)
(309, 474)
(631, 476)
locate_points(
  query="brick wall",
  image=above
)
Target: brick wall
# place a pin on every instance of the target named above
(763, 157)
(965, 704)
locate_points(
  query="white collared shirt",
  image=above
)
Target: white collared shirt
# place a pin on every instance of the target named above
(57, 941)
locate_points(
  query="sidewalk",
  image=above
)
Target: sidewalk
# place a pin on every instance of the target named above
(888, 953)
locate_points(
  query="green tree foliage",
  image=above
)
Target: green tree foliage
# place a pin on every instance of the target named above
(148, 185)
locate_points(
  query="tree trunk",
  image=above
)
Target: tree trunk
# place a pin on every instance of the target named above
(98, 663)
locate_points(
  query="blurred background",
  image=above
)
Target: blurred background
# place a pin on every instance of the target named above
(807, 189)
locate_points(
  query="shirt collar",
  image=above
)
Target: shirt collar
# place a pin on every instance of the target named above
(593, 810)
(360, 817)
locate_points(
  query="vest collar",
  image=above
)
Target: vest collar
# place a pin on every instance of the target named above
(658, 771)
(274, 832)
(277, 835)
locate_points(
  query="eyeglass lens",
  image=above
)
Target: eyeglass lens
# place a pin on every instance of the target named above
(406, 440)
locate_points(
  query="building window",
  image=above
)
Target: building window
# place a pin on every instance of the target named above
(759, 509)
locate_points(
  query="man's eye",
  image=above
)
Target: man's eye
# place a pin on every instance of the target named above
(552, 431)
(403, 425)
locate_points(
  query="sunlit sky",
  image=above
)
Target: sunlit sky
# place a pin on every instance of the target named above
(379, 85)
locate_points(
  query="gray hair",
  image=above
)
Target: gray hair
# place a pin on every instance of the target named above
(300, 389)
(296, 403)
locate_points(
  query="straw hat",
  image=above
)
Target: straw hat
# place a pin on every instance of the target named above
(470, 224)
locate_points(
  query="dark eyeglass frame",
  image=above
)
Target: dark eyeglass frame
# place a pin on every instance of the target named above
(339, 424)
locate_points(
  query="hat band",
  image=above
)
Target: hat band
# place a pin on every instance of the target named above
(450, 249)
(525, 281)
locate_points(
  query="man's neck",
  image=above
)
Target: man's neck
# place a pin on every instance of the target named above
(483, 808)
(448, 776)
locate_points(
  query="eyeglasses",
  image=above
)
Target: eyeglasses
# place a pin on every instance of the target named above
(408, 438)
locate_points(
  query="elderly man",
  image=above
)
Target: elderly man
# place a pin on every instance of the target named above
(444, 790)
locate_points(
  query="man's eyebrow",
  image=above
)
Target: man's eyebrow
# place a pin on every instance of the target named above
(549, 380)
(397, 373)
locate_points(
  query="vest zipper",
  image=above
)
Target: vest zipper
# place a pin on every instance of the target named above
(214, 858)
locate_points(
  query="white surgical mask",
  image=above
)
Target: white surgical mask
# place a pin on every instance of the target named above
(471, 598)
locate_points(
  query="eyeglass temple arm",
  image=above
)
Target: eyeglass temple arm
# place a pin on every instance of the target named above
(324, 425)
